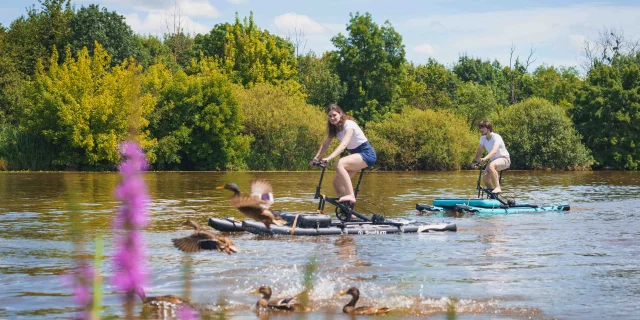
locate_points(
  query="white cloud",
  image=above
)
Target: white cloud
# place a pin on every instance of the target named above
(157, 16)
(291, 22)
(310, 35)
(557, 34)
(143, 5)
(198, 8)
(193, 8)
(158, 22)
(236, 1)
(426, 49)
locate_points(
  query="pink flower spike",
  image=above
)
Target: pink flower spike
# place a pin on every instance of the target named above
(130, 270)
(187, 313)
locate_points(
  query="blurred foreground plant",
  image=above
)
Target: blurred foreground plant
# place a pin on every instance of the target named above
(129, 259)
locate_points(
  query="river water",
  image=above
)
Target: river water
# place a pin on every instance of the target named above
(580, 264)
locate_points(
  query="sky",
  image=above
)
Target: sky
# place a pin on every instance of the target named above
(440, 29)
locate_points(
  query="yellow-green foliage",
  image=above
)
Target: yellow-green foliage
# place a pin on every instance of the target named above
(253, 55)
(197, 120)
(422, 140)
(539, 135)
(86, 108)
(287, 131)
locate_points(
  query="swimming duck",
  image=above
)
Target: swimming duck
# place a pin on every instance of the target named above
(256, 206)
(162, 302)
(350, 307)
(203, 240)
(290, 304)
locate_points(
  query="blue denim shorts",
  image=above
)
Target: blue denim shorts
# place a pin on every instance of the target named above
(366, 151)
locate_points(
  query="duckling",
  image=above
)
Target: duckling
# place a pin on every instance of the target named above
(203, 240)
(350, 307)
(257, 205)
(290, 304)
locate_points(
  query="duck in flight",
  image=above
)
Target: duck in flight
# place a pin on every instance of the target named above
(257, 205)
(203, 240)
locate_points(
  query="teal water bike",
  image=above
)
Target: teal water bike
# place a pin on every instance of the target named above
(487, 202)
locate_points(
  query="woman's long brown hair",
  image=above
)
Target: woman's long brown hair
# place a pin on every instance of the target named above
(333, 130)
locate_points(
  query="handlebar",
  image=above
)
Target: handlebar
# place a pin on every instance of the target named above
(479, 164)
(319, 164)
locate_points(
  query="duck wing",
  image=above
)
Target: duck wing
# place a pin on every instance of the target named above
(200, 240)
(262, 190)
(250, 206)
(286, 304)
(367, 310)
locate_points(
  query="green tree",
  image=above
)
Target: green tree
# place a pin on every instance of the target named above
(30, 39)
(212, 43)
(422, 140)
(435, 86)
(558, 85)
(181, 47)
(8, 77)
(18, 150)
(475, 102)
(607, 112)
(90, 25)
(540, 135)
(410, 92)
(320, 82)
(515, 74)
(486, 73)
(85, 108)
(253, 55)
(197, 121)
(151, 51)
(286, 130)
(368, 61)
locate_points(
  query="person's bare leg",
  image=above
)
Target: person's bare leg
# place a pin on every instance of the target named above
(487, 180)
(345, 167)
(493, 175)
(337, 186)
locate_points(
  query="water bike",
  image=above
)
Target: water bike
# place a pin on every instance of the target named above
(488, 202)
(348, 220)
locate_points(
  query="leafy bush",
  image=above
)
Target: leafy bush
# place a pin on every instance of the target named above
(606, 110)
(197, 121)
(85, 108)
(23, 151)
(422, 140)
(286, 130)
(539, 135)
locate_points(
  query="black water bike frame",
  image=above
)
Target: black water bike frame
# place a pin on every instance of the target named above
(481, 190)
(347, 210)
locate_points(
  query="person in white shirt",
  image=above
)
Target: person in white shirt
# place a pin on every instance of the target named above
(341, 125)
(497, 152)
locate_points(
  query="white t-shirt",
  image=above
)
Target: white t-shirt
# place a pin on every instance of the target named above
(357, 138)
(488, 145)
